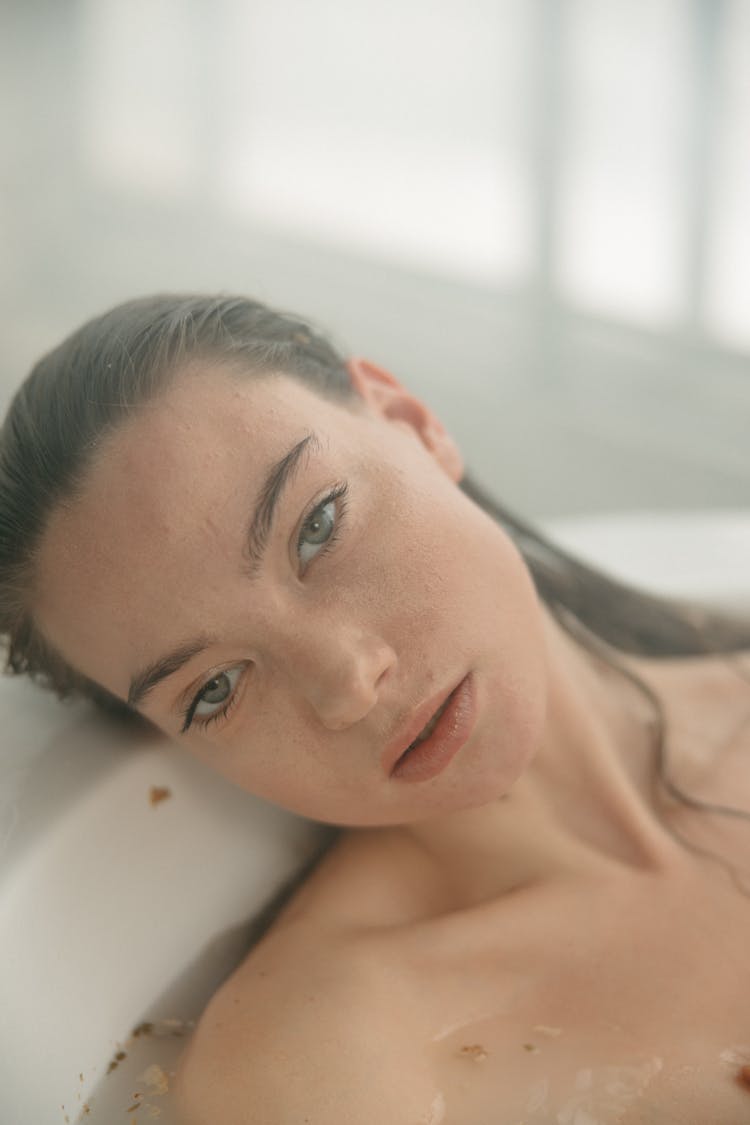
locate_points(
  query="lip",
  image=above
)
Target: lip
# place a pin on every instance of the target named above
(452, 731)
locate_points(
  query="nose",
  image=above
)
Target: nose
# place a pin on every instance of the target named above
(338, 671)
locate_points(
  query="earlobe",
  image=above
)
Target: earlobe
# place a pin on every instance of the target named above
(388, 398)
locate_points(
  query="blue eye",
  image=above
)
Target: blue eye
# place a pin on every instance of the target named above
(318, 532)
(214, 699)
(317, 535)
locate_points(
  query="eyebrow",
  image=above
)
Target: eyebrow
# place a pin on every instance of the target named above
(255, 543)
(274, 483)
(146, 680)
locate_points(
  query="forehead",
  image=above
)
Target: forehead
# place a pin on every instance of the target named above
(123, 558)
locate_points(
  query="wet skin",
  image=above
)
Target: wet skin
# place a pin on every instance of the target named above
(328, 654)
(381, 584)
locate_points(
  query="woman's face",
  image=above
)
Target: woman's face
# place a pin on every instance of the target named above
(279, 581)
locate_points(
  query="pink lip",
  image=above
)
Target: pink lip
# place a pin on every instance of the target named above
(452, 730)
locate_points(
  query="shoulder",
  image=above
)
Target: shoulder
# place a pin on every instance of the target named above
(305, 1031)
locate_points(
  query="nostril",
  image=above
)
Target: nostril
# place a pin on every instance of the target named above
(383, 675)
(343, 681)
(388, 661)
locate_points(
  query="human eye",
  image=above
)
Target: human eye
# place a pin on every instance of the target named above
(214, 700)
(320, 529)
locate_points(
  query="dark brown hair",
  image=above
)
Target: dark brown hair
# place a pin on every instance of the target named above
(84, 389)
(100, 375)
(87, 386)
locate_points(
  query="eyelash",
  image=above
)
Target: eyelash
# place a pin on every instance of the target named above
(337, 495)
(204, 721)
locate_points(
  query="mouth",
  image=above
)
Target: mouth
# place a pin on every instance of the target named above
(435, 734)
(429, 728)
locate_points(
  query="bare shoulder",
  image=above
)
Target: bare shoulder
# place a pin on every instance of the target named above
(304, 1031)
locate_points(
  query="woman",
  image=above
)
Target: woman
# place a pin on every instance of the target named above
(537, 911)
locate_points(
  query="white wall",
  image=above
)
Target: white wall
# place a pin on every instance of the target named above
(537, 211)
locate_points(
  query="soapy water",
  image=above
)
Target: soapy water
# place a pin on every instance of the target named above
(435, 1115)
(133, 1083)
(135, 1086)
(604, 1094)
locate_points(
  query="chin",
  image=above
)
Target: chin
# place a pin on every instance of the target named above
(491, 772)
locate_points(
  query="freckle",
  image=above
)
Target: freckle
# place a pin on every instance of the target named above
(158, 793)
(530, 1047)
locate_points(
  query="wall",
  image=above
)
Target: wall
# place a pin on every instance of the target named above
(535, 212)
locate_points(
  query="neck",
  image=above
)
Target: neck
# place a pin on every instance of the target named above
(586, 802)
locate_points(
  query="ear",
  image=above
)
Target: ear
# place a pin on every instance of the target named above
(385, 396)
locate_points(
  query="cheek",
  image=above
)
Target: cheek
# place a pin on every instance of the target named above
(497, 622)
(275, 755)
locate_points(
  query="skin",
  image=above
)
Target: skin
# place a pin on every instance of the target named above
(338, 657)
(334, 652)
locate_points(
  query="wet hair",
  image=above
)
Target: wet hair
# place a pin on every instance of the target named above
(85, 388)
(102, 374)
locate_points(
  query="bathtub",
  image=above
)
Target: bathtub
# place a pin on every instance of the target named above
(128, 872)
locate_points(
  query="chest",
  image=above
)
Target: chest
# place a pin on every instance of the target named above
(628, 1009)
